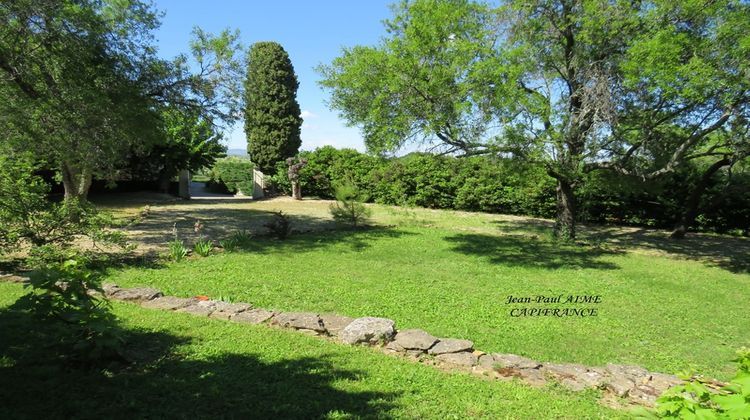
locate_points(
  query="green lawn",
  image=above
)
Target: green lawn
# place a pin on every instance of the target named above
(192, 367)
(450, 273)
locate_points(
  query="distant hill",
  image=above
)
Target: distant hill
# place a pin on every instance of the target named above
(237, 152)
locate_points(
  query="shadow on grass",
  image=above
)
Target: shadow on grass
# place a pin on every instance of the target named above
(35, 383)
(726, 252)
(157, 230)
(525, 251)
(356, 239)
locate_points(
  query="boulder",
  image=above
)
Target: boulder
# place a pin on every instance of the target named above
(225, 310)
(486, 361)
(299, 321)
(574, 376)
(460, 359)
(662, 381)
(634, 373)
(253, 316)
(136, 294)
(620, 386)
(414, 340)
(200, 308)
(368, 330)
(109, 289)
(334, 324)
(451, 345)
(169, 303)
(515, 361)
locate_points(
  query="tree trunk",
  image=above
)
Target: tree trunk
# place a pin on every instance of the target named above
(693, 200)
(296, 190)
(76, 182)
(565, 224)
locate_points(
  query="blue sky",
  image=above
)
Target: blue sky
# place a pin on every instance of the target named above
(313, 32)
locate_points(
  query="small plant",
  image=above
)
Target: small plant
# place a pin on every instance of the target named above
(177, 250)
(62, 292)
(280, 226)
(203, 247)
(697, 398)
(229, 245)
(349, 207)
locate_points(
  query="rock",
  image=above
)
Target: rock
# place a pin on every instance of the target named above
(533, 377)
(137, 294)
(225, 310)
(299, 321)
(619, 385)
(662, 382)
(395, 347)
(414, 339)
(253, 316)
(368, 330)
(169, 303)
(416, 354)
(643, 395)
(200, 308)
(460, 359)
(634, 373)
(574, 376)
(334, 324)
(515, 361)
(110, 289)
(486, 361)
(451, 345)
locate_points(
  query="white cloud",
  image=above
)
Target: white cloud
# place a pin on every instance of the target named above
(307, 114)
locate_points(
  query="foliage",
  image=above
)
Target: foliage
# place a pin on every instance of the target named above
(280, 225)
(203, 247)
(348, 207)
(272, 114)
(177, 250)
(229, 244)
(232, 174)
(62, 291)
(190, 143)
(549, 82)
(27, 217)
(696, 400)
(83, 80)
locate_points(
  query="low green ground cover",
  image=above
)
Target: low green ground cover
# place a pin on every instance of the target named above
(188, 367)
(451, 274)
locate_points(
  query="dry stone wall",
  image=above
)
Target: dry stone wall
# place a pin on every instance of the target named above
(624, 383)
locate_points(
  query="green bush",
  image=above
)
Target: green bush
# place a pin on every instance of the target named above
(280, 225)
(231, 175)
(349, 207)
(695, 400)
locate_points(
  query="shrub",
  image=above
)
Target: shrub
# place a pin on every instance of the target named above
(280, 225)
(694, 399)
(62, 292)
(203, 247)
(348, 207)
(232, 174)
(177, 250)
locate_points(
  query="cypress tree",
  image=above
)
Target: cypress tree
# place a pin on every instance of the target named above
(272, 114)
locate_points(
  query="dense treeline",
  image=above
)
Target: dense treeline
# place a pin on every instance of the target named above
(510, 186)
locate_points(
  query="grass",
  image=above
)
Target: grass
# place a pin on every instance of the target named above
(190, 367)
(668, 307)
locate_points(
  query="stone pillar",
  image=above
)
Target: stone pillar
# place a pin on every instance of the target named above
(184, 190)
(258, 184)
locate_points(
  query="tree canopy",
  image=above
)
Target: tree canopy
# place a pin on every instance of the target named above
(578, 86)
(272, 114)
